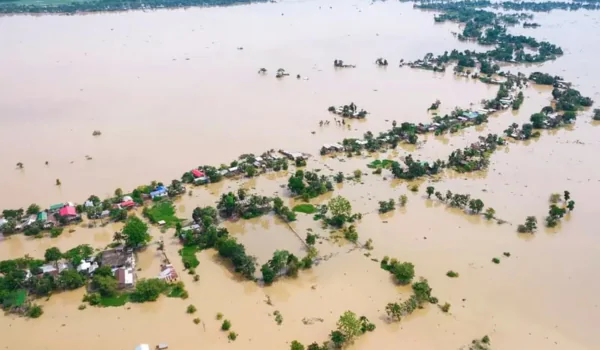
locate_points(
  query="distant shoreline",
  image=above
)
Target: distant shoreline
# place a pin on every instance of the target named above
(111, 6)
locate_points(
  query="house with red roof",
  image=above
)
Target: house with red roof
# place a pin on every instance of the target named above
(198, 173)
(67, 211)
(127, 204)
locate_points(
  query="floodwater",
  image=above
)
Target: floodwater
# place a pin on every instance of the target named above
(127, 75)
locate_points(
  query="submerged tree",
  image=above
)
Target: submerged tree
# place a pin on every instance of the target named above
(430, 191)
(135, 232)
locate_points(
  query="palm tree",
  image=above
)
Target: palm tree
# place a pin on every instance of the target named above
(20, 165)
(118, 237)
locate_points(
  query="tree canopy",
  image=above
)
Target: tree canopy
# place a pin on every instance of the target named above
(135, 232)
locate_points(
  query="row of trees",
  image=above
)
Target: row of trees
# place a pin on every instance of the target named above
(108, 6)
(462, 201)
(421, 294)
(555, 212)
(349, 327)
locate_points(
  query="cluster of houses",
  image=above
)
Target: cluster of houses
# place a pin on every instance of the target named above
(121, 261)
(56, 215)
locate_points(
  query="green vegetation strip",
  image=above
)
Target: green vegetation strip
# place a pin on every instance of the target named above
(305, 208)
(117, 300)
(188, 256)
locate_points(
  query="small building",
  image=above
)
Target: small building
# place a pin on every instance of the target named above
(124, 276)
(233, 171)
(56, 207)
(3, 222)
(461, 118)
(104, 214)
(88, 204)
(67, 211)
(127, 199)
(53, 269)
(87, 266)
(30, 220)
(42, 217)
(361, 142)
(117, 257)
(201, 180)
(159, 192)
(194, 228)
(471, 115)
(334, 147)
(293, 155)
(168, 273)
(127, 204)
(142, 347)
(197, 173)
(223, 172)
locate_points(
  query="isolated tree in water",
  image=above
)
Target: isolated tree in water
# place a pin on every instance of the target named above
(135, 232)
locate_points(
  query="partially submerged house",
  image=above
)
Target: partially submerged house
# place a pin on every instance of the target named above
(293, 155)
(160, 191)
(54, 208)
(197, 173)
(126, 204)
(201, 180)
(168, 273)
(54, 269)
(117, 257)
(125, 277)
(87, 266)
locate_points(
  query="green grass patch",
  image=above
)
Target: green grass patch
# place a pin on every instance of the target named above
(118, 300)
(164, 211)
(188, 256)
(15, 299)
(386, 163)
(305, 208)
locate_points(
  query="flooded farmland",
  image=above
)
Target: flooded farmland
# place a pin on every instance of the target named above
(170, 90)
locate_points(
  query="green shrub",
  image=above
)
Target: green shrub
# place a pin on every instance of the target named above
(232, 336)
(226, 325)
(496, 261)
(191, 309)
(34, 311)
(452, 274)
(445, 307)
(56, 231)
(305, 208)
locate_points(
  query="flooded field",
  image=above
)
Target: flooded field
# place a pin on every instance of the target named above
(170, 90)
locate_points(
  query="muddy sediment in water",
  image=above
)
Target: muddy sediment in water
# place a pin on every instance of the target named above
(129, 76)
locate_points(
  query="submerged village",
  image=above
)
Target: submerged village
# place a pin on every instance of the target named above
(163, 234)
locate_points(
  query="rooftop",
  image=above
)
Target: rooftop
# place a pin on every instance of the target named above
(67, 211)
(115, 257)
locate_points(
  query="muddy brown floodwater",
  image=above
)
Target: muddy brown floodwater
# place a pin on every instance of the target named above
(169, 90)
